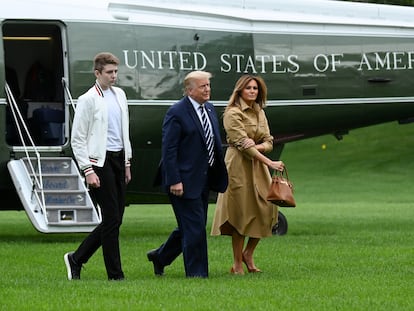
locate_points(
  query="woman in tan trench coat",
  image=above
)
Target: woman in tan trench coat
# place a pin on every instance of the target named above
(243, 211)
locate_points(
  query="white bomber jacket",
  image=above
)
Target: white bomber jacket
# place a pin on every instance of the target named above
(90, 127)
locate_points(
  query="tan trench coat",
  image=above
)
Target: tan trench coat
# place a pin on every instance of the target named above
(244, 204)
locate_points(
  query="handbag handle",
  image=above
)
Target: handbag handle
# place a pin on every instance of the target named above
(281, 173)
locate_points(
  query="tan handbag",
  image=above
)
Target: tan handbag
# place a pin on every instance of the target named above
(281, 190)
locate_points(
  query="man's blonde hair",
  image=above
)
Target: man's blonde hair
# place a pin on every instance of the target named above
(193, 76)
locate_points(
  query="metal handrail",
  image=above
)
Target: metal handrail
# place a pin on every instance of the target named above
(37, 179)
(65, 87)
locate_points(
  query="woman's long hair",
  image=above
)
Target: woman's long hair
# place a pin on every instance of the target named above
(234, 100)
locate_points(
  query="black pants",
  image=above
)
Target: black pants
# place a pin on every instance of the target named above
(111, 198)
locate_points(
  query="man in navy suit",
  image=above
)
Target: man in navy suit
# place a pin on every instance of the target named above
(188, 175)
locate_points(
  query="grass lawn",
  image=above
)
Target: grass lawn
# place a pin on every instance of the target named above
(349, 244)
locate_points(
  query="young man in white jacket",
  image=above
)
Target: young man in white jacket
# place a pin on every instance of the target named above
(102, 148)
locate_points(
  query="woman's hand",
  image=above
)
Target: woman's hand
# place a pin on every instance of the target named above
(277, 165)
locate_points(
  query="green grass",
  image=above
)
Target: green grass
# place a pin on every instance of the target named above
(349, 245)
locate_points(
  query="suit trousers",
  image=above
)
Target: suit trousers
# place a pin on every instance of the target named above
(189, 237)
(111, 198)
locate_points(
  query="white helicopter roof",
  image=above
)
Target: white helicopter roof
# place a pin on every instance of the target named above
(232, 15)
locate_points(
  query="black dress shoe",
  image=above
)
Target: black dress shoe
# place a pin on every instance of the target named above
(158, 267)
(119, 277)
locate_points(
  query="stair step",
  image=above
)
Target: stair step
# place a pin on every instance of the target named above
(65, 207)
(52, 165)
(60, 182)
(70, 215)
(65, 198)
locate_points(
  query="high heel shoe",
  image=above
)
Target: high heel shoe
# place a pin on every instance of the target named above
(232, 271)
(251, 270)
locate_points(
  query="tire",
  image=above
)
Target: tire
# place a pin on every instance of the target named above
(281, 227)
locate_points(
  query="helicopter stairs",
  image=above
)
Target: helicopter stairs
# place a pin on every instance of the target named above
(54, 195)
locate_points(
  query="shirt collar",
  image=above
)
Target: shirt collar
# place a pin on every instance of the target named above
(245, 106)
(194, 103)
(100, 90)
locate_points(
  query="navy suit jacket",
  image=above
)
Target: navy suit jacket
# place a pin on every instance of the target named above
(184, 151)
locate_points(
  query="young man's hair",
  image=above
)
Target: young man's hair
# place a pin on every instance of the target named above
(103, 59)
